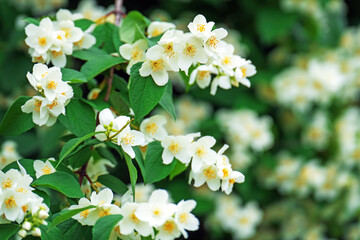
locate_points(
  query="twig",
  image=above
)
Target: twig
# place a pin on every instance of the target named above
(118, 5)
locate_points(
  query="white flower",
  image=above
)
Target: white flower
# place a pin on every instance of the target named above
(190, 51)
(168, 41)
(222, 81)
(40, 37)
(52, 83)
(36, 232)
(246, 69)
(227, 60)
(200, 27)
(156, 28)
(208, 174)
(72, 33)
(134, 52)
(109, 124)
(43, 168)
(157, 210)
(213, 43)
(202, 75)
(102, 201)
(202, 153)
(129, 138)
(153, 128)
(184, 219)
(155, 65)
(131, 222)
(168, 231)
(22, 233)
(176, 146)
(64, 14)
(11, 203)
(40, 114)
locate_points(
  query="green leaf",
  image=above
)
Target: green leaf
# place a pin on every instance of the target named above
(32, 20)
(50, 234)
(72, 76)
(132, 172)
(15, 121)
(79, 158)
(7, 230)
(79, 119)
(140, 161)
(178, 169)
(119, 105)
(97, 65)
(104, 226)
(67, 214)
(131, 25)
(167, 101)
(71, 145)
(87, 54)
(144, 93)
(72, 229)
(62, 182)
(154, 167)
(104, 36)
(83, 23)
(273, 23)
(113, 183)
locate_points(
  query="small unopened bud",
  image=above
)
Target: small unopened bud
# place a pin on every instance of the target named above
(36, 232)
(27, 226)
(38, 86)
(43, 214)
(22, 233)
(44, 222)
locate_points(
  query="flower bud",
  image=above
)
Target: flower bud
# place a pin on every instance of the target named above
(26, 225)
(36, 232)
(22, 233)
(43, 214)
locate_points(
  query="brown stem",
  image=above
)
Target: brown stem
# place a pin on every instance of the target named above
(110, 81)
(118, 13)
(91, 183)
(118, 5)
(82, 173)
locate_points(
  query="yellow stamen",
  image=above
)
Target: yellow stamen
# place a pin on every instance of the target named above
(190, 50)
(37, 105)
(52, 105)
(8, 183)
(10, 202)
(46, 170)
(174, 148)
(151, 128)
(227, 60)
(128, 139)
(203, 74)
(85, 213)
(104, 212)
(52, 85)
(213, 41)
(169, 49)
(157, 65)
(136, 54)
(169, 227)
(209, 173)
(200, 27)
(133, 218)
(42, 41)
(183, 217)
(201, 151)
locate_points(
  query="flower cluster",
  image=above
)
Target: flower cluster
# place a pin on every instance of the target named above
(8, 153)
(206, 164)
(117, 130)
(318, 83)
(55, 93)
(140, 218)
(53, 40)
(202, 48)
(18, 202)
(240, 221)
(38, 7)
(293, 176)
(245, 130)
